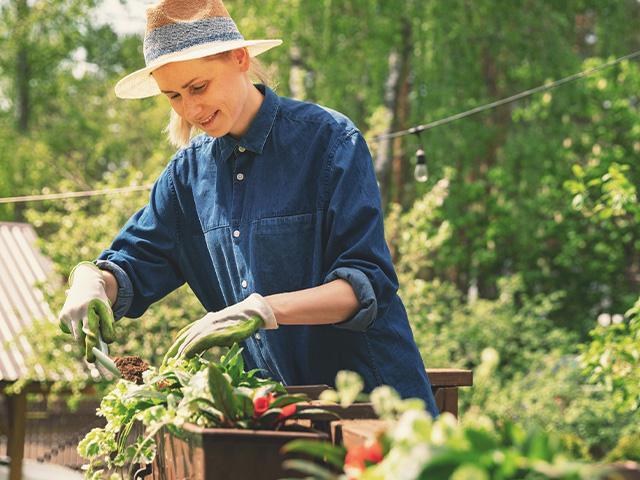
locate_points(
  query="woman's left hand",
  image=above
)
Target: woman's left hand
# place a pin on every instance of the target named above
(223, 328)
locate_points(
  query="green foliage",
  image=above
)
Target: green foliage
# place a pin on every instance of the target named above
(452, 332)
(525, 367)
(413, 446)
(611, 362)
(455, 333)
(195, 391)
(553, 394)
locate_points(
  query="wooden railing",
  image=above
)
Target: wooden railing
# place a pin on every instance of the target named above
(445, 383)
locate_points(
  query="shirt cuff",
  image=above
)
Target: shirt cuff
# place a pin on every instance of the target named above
(361, 285)
(125, 288)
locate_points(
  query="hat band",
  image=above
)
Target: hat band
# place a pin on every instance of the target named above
(175, 37)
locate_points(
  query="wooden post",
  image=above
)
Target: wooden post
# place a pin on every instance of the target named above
(445, 383)
(17, 426)
(447, 400)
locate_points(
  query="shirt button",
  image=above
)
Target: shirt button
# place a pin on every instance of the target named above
(236, 233)
(244, 284)
(240, 177)
(241, 149)
(257, 336)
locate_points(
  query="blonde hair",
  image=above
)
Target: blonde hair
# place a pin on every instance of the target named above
(179, 131)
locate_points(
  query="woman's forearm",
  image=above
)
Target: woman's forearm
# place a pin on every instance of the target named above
(332, 302)
(110, 286)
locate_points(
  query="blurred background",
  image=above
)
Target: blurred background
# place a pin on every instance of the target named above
(518, 254)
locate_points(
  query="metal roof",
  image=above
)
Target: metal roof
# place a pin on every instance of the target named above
(21, 301)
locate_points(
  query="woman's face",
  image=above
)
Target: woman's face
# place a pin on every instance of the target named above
(210, 93)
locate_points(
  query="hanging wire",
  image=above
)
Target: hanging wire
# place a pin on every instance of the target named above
(86, 193)
(497, 103)
(413, 130)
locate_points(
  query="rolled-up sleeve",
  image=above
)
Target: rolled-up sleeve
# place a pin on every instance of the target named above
(355, 247)
(125, 289)
(144, 255)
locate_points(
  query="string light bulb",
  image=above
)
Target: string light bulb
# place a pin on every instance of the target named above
(421, 173)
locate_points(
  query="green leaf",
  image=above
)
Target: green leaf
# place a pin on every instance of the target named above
(146, 395)
(309, 468)
(243, 405)
(233, 363)
(481, 440)
(578, 171)
(284, 400)
(311, 412)
(469, 472)
(333, 454)
(221, 392)
(537, 446)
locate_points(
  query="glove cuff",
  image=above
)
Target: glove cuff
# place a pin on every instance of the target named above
(260, 306)
(80, 267)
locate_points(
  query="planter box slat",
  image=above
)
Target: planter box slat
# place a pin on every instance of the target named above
(221, 454)
(350, 433)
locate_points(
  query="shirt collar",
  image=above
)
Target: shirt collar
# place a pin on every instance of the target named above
(259, 130)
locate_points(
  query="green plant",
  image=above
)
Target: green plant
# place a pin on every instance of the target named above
(611, 363)
(197, 391)
(413, 446)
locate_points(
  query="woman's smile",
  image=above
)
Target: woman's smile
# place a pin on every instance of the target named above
(208, 122)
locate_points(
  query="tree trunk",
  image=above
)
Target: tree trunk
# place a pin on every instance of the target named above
(498, 120)
(22, 97)
(399, 163)
(383, 158)
(22, 68)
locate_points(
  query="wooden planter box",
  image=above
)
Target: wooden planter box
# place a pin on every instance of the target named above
(216, 453)
(221, 454)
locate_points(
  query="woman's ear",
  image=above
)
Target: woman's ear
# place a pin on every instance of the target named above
(242, 58)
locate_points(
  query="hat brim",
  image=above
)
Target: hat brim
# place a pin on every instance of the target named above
(141, 84)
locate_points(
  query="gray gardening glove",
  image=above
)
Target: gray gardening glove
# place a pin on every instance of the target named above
(225, 327)
(86, 313)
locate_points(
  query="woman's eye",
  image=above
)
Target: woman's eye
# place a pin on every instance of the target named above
(173, 97)
(200, 87)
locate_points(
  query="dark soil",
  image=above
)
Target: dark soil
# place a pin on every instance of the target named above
(131, 368)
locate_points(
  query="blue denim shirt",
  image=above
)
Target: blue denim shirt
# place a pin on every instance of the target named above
(291, 205)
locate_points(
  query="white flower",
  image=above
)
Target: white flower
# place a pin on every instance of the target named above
(404, 462)
(412, 425)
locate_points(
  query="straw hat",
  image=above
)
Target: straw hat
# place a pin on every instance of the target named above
(180, 30)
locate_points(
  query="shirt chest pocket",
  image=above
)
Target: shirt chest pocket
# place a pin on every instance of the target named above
(285, 253)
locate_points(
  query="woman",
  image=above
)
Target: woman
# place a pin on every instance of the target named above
(274, 212)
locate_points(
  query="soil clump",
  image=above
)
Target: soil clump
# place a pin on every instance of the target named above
(131, 368)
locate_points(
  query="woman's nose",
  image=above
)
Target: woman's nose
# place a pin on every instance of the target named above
(192, 108)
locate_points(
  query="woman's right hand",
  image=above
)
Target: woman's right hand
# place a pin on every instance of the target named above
(86, 313)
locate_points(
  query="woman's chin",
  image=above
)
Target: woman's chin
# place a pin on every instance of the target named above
(215, 131)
